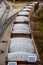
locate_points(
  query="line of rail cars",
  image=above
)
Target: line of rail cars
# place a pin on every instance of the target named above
(21, 49)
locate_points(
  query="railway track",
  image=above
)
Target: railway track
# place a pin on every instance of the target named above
(21, 49)
(4, 22)
(4, 18)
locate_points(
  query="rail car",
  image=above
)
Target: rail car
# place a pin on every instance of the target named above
(35, 5)
(21, 48)
(29, 8)
(22, 19)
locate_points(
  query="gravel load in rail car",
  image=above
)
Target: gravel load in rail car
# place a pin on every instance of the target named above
(30, 7)
(21, 49)
(24, 13)
(26, 9)
(21, 19)
(21, 28)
